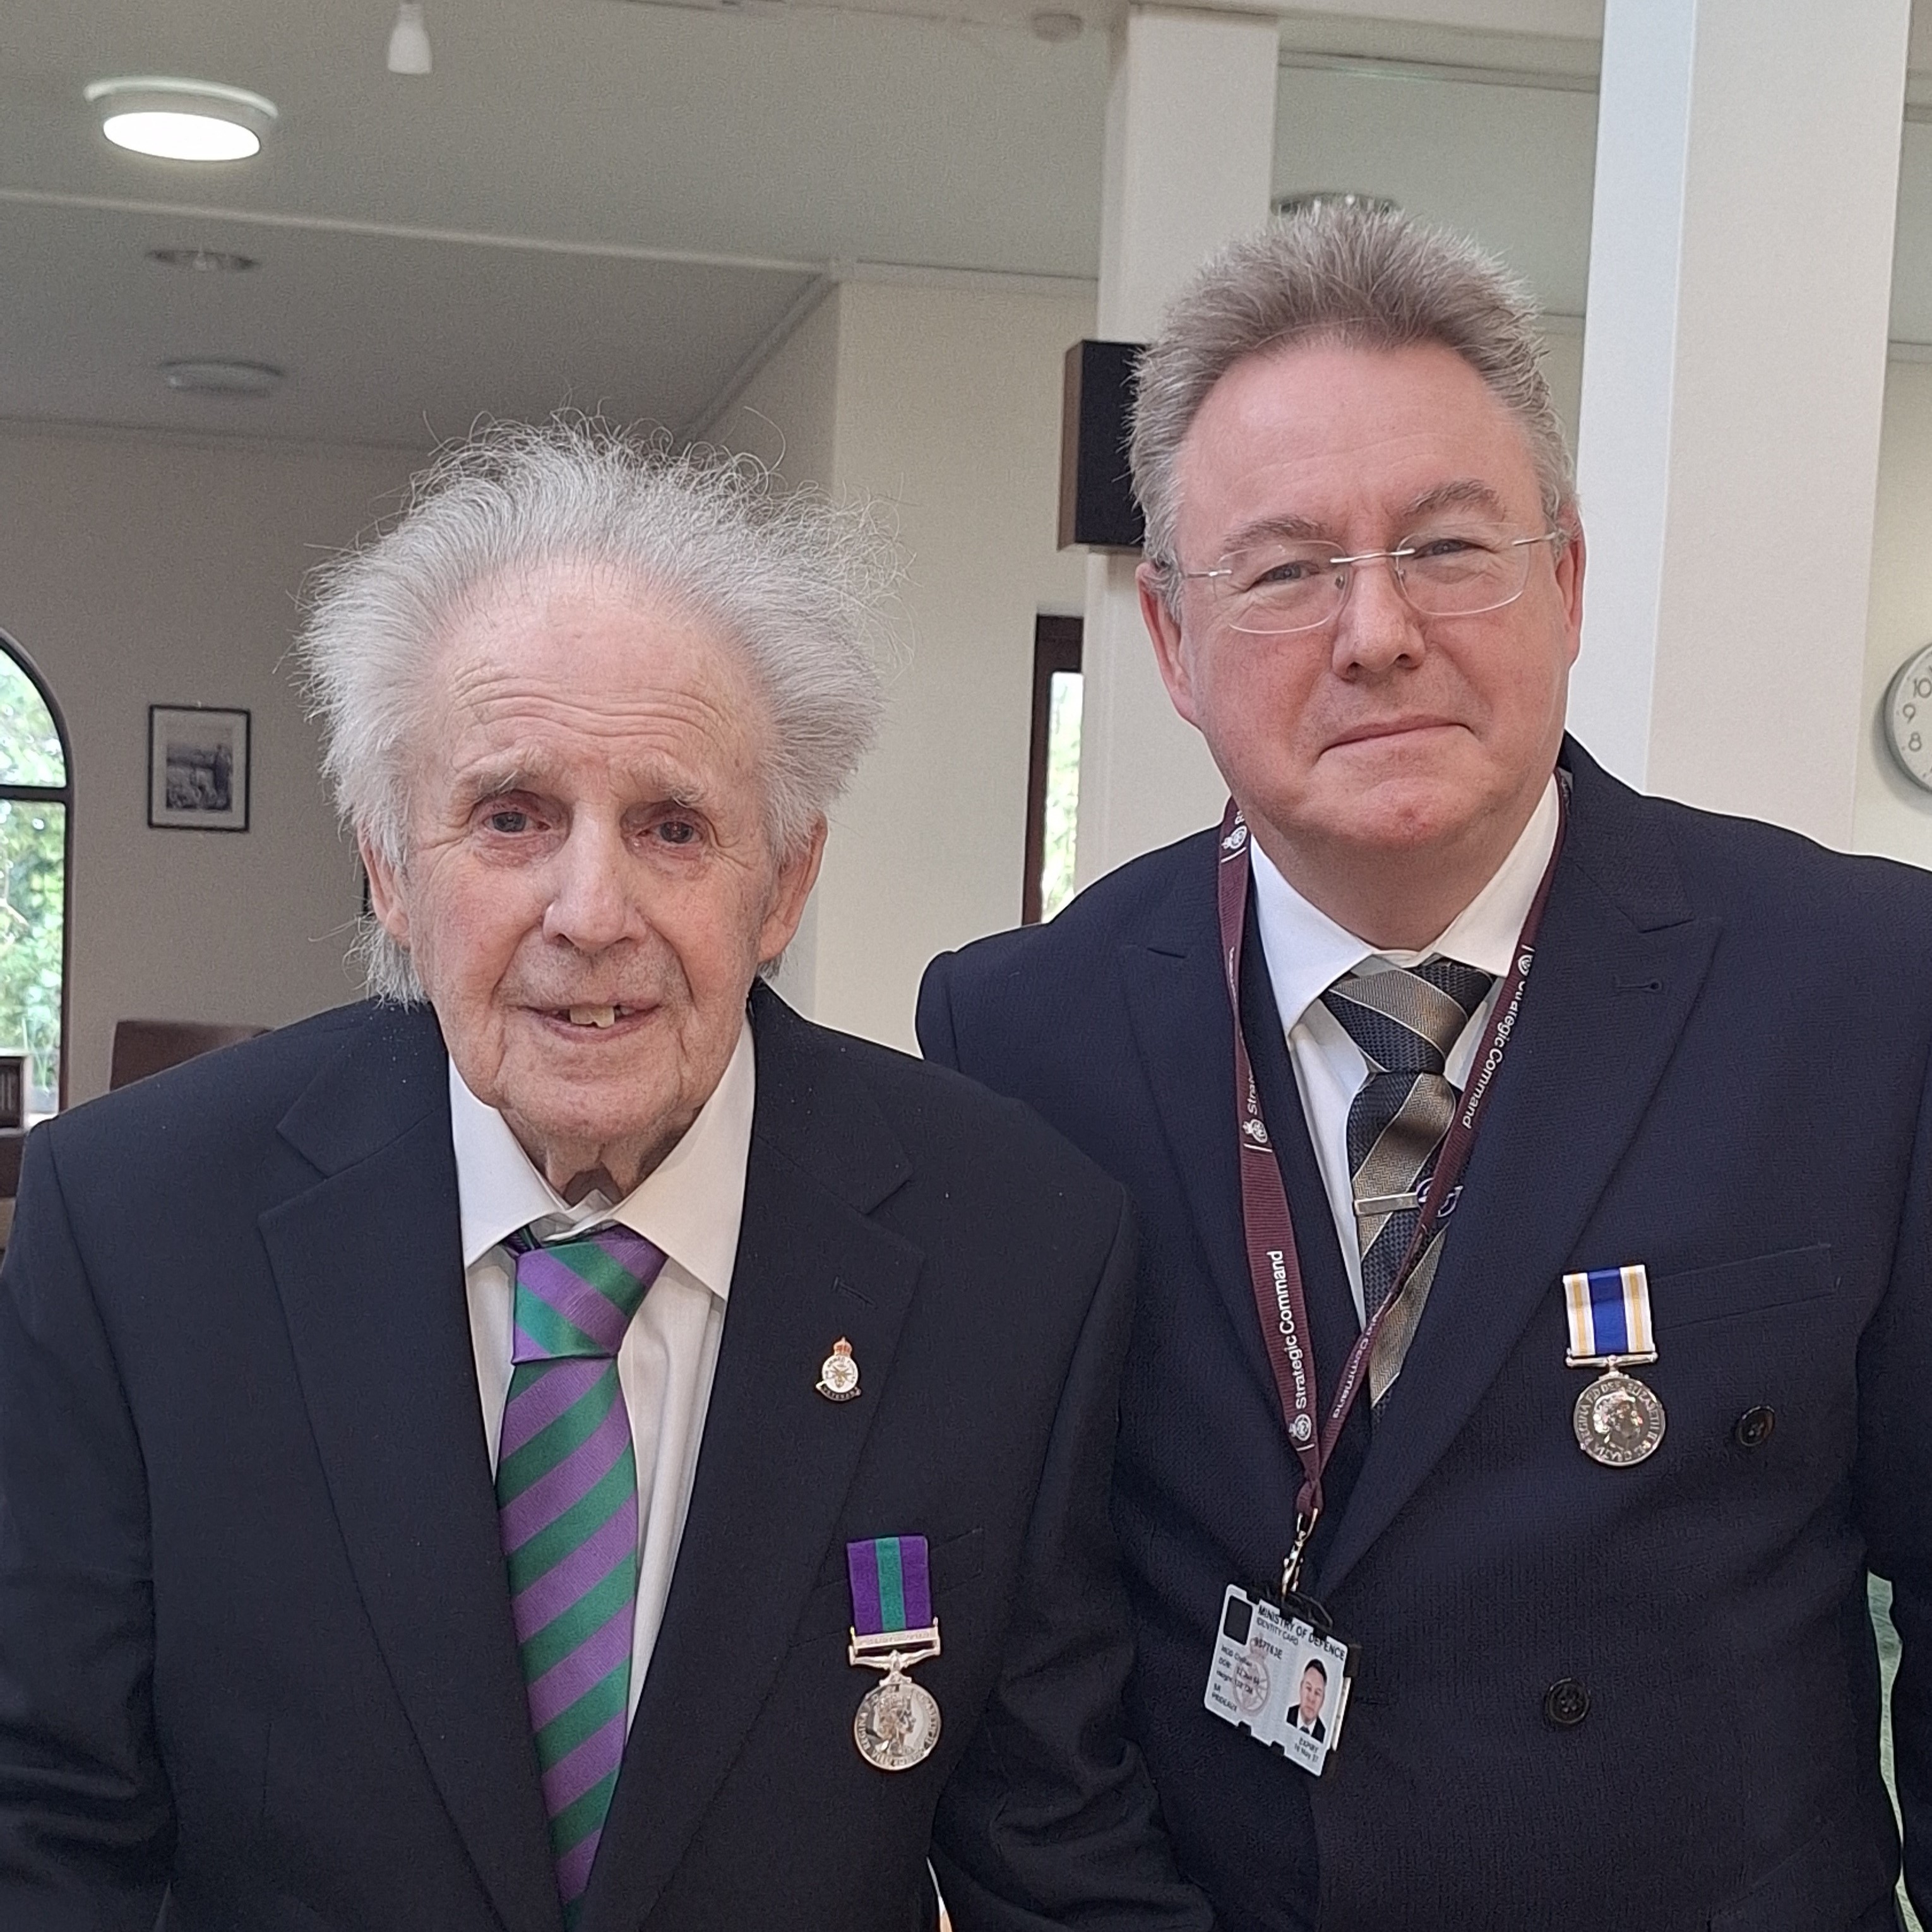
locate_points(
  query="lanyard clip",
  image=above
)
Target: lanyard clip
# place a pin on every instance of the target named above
(1290, 1564)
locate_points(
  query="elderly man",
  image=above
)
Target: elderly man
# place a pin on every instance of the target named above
(1535, 1179)
(560, 1446)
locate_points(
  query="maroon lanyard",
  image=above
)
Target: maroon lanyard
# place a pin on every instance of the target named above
(1274, 1263)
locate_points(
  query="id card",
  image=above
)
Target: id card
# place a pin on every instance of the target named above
(1277, 1678)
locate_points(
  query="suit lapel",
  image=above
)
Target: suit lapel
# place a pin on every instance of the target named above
(1178, 1005)
(777, 1459)
(1619, 966)
(369, 1265)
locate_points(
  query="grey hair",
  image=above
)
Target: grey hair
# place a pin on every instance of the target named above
(1364, 277)
(796, 582)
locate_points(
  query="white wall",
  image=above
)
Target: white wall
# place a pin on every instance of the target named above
(946, 411)
(786, 417)
(787, 414)
(1563, 371)
(139, 570)
(1890, 814)
(949, 409)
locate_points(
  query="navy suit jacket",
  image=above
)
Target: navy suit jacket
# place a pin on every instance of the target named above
(255, 1640)
(1574, 1707)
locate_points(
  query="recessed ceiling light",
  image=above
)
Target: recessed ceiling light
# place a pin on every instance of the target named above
(181, 120)
(215, 376)
(204, 261)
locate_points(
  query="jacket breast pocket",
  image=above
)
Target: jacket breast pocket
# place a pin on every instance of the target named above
(1756, 1286)
(951, 1565)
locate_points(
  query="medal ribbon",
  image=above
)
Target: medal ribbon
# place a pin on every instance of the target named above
(1274, 1263)
(891, 1589)
(1608, 1311)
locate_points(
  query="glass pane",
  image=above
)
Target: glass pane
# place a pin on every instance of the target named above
(30, 750)
(32, 901)
(1063, 791)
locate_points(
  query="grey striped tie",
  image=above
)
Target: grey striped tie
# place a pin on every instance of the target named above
(1405, 1023)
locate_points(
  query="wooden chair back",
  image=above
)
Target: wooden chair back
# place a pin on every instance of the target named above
(142, 1047)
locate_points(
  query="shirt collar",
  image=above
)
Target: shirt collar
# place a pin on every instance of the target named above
(690, 1204)
(1306, 952)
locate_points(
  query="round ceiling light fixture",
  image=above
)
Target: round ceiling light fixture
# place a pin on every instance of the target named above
(212, 376)
(205, 261)
(181, 120)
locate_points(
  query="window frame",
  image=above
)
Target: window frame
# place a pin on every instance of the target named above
(1056, 647)
(61, 795)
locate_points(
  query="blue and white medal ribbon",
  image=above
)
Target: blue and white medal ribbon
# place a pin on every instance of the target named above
(1618, 1420)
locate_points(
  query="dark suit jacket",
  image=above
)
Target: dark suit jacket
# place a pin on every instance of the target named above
(255, 1640)
(1721, 1071)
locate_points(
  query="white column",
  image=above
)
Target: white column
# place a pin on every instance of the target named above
(1733, 379)
(1189, 164)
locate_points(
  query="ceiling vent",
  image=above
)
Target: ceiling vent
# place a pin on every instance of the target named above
(216, 376)
(1307, 200)
(711, 6)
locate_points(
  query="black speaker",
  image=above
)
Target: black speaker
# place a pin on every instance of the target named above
(1096, 495)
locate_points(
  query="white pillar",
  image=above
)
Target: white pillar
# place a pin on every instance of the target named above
(1189, 164)
(1733, 379)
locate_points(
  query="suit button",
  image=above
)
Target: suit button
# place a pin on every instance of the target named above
(1565, 1704)
(1753, 1429)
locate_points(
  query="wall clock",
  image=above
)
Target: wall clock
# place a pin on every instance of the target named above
(1908, 718)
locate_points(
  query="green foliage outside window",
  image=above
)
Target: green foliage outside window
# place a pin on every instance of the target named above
(33, 885)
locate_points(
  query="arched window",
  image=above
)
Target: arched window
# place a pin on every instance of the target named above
(36, 845)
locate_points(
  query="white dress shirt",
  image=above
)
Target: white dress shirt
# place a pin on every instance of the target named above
(690, 1205)
(1307, 952)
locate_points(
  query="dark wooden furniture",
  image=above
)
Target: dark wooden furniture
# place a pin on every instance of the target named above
(142, 1047)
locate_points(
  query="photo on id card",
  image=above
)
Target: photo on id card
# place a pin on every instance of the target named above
(1276, 1678)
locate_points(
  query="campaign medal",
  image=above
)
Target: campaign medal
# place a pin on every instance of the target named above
(838, 1373)
(893, 1628)
(1619, 1420)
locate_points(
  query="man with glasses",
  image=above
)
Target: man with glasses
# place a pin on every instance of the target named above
(1535, 1182)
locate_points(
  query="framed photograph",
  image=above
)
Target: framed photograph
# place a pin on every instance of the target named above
(197, 768)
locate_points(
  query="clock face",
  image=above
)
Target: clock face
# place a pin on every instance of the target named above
(1908, 718)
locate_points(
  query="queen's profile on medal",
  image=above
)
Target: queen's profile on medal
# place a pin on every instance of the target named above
(897, 1724)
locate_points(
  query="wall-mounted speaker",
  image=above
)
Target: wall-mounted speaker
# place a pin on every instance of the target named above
(1096, 495)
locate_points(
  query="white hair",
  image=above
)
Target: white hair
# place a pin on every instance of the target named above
(1366, 278)
(794, 581)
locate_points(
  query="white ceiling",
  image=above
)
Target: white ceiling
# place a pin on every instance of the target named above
(620, 205)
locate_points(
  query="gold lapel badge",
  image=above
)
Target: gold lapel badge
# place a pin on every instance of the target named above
(839, 1374)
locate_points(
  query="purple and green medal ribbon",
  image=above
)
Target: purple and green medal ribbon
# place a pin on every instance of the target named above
(891, 1589)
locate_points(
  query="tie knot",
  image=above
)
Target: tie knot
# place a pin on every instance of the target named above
(1406, 1020)
(575, 1298)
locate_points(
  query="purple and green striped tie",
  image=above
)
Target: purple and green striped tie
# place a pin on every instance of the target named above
(567, 1500)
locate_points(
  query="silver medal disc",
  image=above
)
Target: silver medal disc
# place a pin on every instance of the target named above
(1619, 1420)
(897, 1724)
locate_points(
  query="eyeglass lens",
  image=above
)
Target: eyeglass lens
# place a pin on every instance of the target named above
(1277, 586)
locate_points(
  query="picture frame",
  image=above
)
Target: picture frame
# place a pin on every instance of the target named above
(198, 768)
